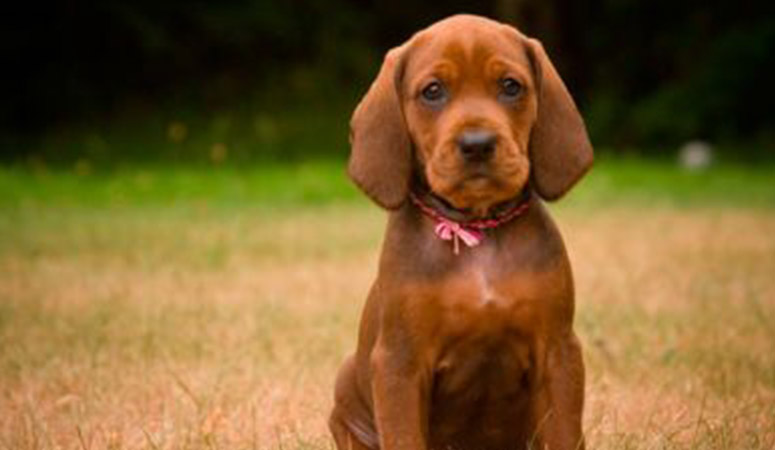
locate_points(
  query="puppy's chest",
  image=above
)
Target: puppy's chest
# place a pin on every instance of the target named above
(479, 302)
(487, 321)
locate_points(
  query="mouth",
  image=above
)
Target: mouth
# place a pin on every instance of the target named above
(477, 183)
(477, 172)
(477, 179)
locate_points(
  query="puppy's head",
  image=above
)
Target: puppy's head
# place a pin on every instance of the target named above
(477, 110)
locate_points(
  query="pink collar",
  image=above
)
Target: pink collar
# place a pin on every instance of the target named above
(470, 232)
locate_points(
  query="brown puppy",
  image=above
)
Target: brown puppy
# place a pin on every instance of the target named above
(466, 340)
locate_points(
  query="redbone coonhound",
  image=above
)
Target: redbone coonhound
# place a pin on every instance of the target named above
(466, 339)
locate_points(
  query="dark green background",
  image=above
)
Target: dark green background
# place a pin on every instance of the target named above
(246, 80)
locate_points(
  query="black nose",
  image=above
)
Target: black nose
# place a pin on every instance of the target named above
(476, 145)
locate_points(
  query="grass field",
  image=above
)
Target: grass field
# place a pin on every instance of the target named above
(188, 308)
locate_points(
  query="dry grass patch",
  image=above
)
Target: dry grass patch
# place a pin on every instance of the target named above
(676, 308)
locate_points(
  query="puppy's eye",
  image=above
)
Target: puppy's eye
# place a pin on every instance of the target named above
(510, 88)
(434, 93)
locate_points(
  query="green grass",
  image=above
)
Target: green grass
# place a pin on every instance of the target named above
(268, 185)
(271, 185)
(658, 183)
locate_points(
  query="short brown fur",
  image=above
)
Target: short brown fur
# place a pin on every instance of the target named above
(469, 351)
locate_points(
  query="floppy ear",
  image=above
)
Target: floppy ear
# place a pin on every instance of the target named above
(560, 151)
(380, 159)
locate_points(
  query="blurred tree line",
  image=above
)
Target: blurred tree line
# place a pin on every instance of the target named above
(645, 73)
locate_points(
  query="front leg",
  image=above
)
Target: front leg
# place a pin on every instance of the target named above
(400, 395)
(559, 398)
